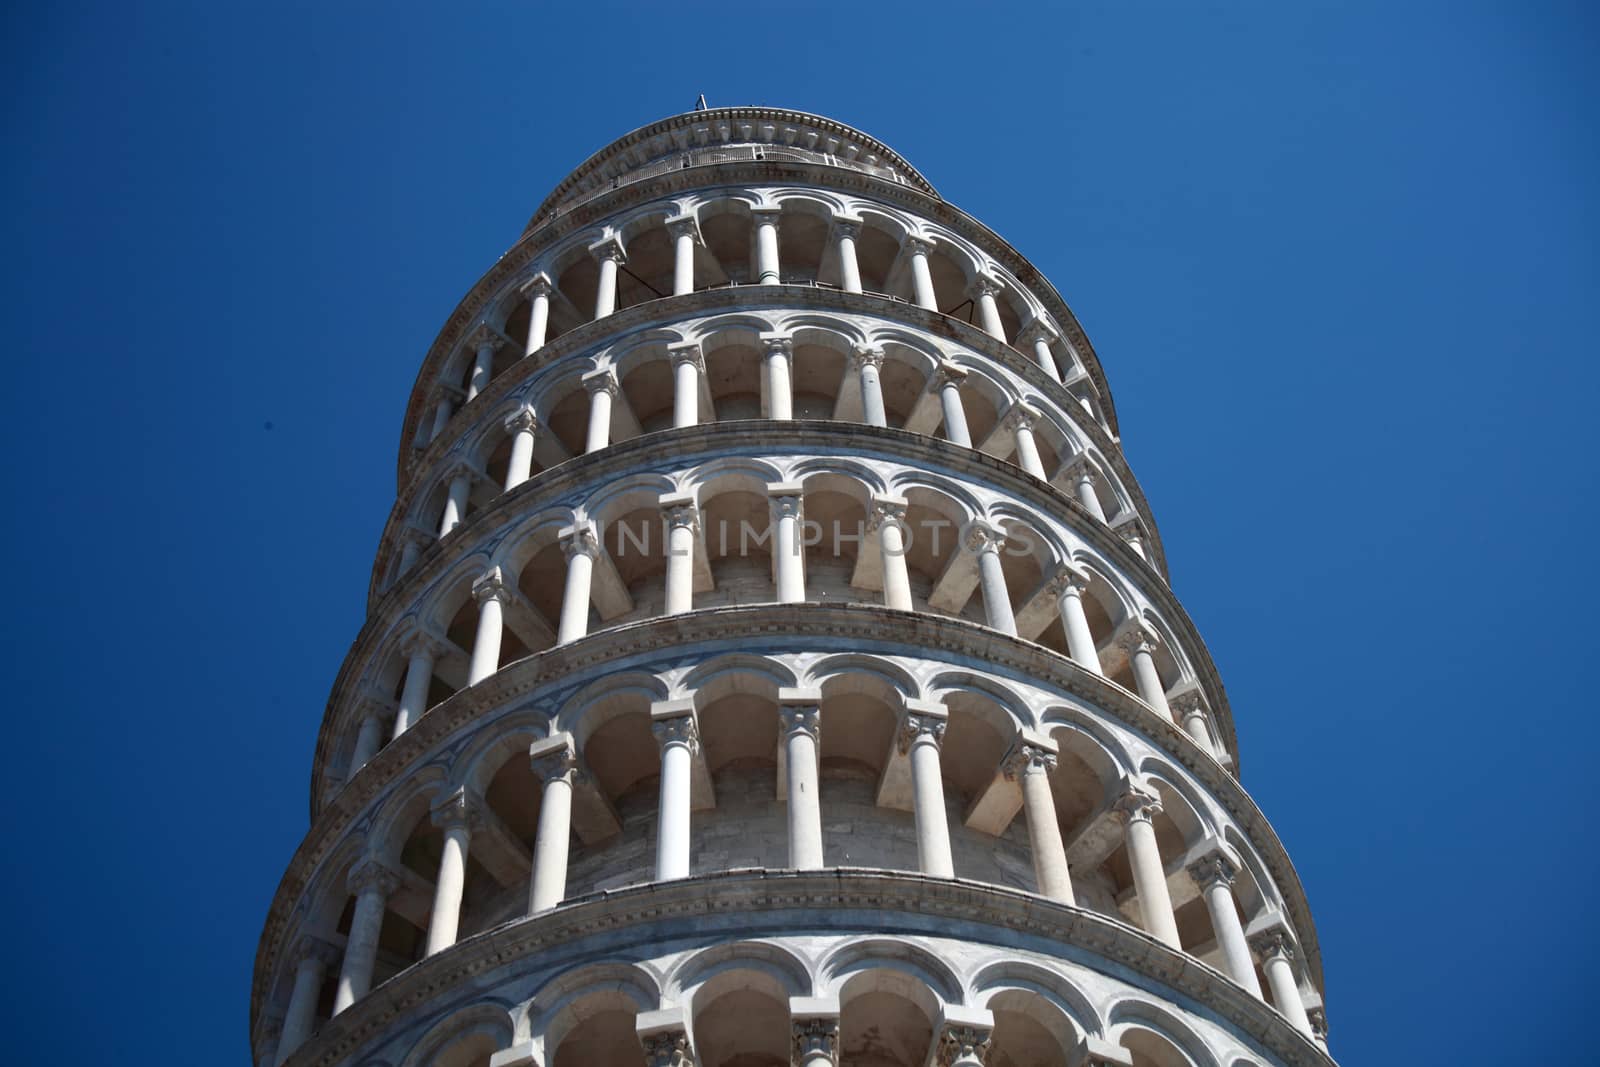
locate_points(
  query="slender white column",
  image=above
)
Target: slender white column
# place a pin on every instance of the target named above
(869, 361)
(1068, 586)
(410, 549)
(1137, 808)
(1318, 1018)
(685, 233)
(1040, 335)
(441, 416)
(538, 289)
(985, 542)
(1130, 532)
(455, 817)
(1023, 417)
(372, 883)
(888, 520)
(1274, 949)
(1214, 876)
(490, 591)
(1029, 763)
(678, 737)
(682, 520)
(602, 387)
(486, 341)
(420, 649)
(455, 503)
(800, 725)
(917, 248)
(522, 425)
(368, 741)
(316, 956)
(921, 733)
(947, 378)
(609, 255)
(1083, 488)
(766, 221)
(1189, 709)
(816, 1039)
(780, 395)
(846, 229)
(687, 367)
(983, 292)
(555, 761)
(1140, 645)
(788, 553)
(581, 545)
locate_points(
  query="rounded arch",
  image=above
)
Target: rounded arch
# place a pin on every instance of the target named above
(399, 815)
(465, 1038)
(590, 1004)
(606, 698)
(785, 969)
(511, 735)
(1001, 976)
(1157, 1036)
(938, 978)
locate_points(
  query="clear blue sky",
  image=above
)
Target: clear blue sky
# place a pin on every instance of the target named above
(1339, 261)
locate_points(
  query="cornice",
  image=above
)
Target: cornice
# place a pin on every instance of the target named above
(519, 258)
(854, 625)
(689, 119)
(768, 903)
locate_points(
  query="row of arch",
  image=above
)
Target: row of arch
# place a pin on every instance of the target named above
(615, 777)
(715, 238)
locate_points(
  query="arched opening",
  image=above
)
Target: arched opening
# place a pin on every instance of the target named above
(1029, 1031)
(741, 1019)
(601, 1032)
(886, 1019)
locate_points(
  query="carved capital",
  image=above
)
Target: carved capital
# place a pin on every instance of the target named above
(984, 285)
(918, 244)
(918, 726)
(1068, 581)
(537, 286)
(491, 585)
(1188, 705)
(765, 216)
(458, 810)
(667, 1048)
(816, 1037)
(979, 537)
(421, 642)
(1138, 638)
(555, 758)
(1213, 870)
(313, 949)
(868, 356)
(580, 541)
(686, 352)
(609, 247)
(963, 1044)
(603, 379)
(1270, 943)
(522, 420)
(1027, 757)
(486, 336)
(947, 373)
(786, 505)
(777, 344)
(1038, 329)
(886, 509)
(1319, 1024)
(680, 510)
(683, 225)
(1022, 416)
(676, 730)
(800, 718)
(371, 876)
(846, 226)
(1137, 805)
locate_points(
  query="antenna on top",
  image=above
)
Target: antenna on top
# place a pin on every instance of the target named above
(700, 104)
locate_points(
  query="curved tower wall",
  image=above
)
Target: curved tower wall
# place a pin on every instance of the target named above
(770, 659)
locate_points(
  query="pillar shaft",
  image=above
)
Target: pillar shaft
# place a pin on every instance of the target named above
(455, 504)
(602, 392)
(849, 267)
(868, 362)
(920, 738)
(361, 946)
(605, 296)
(491, 594)
(681, 524)
(800, 726)
(955, 415)
(1075, 623)
(519, 468)
(922, 276)
(888, 518)
(538, 316)
(678, 738)
(414, 696)
(683, 261)
(445, 920)
(1149, 876)
(767, 248)
(787, 552)
(581, 549)
(780, 394)
(985, 541)
(302, 1012)
(551, 844)
(685, 392)
(1031, 765)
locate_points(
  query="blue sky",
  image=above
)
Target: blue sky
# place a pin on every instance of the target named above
(1338, 261)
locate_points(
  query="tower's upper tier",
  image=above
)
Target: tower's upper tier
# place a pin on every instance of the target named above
(727, 135)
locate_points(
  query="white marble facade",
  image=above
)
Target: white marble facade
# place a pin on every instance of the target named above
(770, 659)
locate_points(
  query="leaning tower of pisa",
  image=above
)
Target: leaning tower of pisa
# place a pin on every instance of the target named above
(770, 659)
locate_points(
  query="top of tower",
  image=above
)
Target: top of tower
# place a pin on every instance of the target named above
(727, 135)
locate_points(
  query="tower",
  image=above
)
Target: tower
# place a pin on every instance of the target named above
(770, 659)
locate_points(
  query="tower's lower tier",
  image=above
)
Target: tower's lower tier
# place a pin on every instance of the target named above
(847, 966)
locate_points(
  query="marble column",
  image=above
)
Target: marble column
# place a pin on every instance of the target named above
(1023, 418)
(1189, 708)
(1134, 537)
(868, 363)
(983, 293)
(609, 254)
(372, 883)
(685, 233)
(776, 374)
(1140, 644)
(679, 739)
(985, 542)
(800, 727)
(538, 289)
(420, 650)
(766, 223)
(682, 520)
(888, 520)
(490, 591)
(921, 734)
(581, 545)
(1029, 763)
(455, 817)
(316, 957)
(410, 549)
(369, 739)
(687, 366)
(917, 249)
(1214, 876)
(555, 762)
(1068, 585)
(947, 378)
(522, 425)
(442, 411)
(846, 228)
(1275, 950)
(455, 502)
(788, 553)
(1318, 1018)
(1083, 479)
(485, 341)
(1137, 809)
(602, 387)
(1039, 336)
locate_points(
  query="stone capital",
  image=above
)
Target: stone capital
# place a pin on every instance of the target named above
(1038, 329)
(922, 721)
(886, 509)
(555, 757)
(816, 1038)
(964, 1035)
(1138, 638)
(538, 285)
(681, 225)
(868, 356)
(1272, 942)
(522, 420)
(766, 215)
(580, 540)
(1028, 754)
(485, 336)
(491, 585)
(800, 711)
(609, 247)
(786, 499)
(675, 722)
(312, 949)
(1187, 704)
(1136, 804)
(372, 876)
(1129, 532)
(422, 642)
(984, 284)
(1068, 580)
(680, 509)
(1022, 416)
(458, 810)
(979, 537)
(601, 378)
(1213, 869)
(948, 373)
(847, 226)
(1318, 1018)
(918, 244)
(686, 352)
(781, 343)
